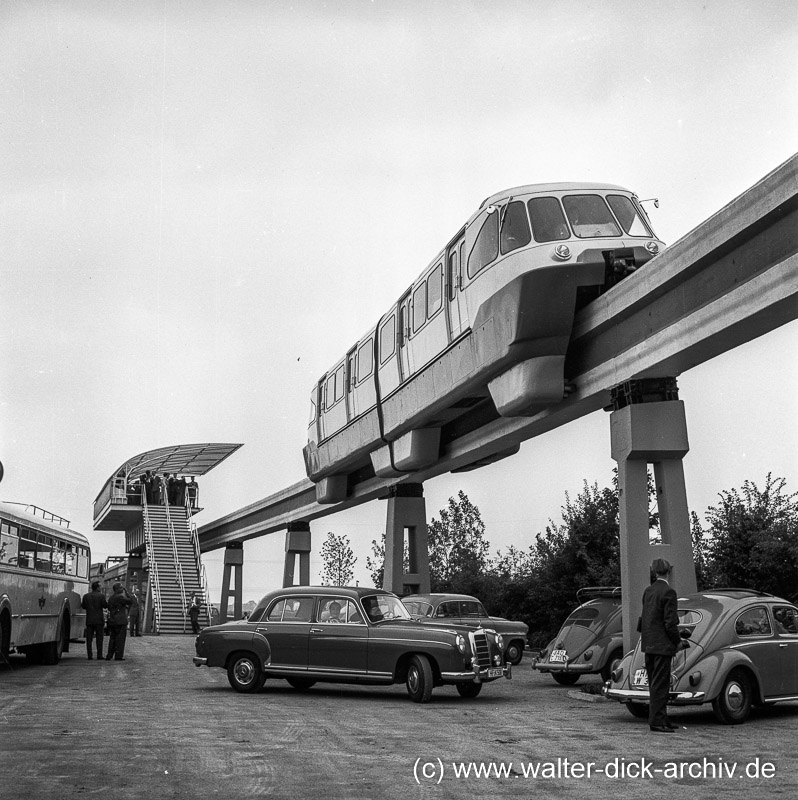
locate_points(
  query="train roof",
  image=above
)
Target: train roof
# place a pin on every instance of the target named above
(26, 514)
(542, 188)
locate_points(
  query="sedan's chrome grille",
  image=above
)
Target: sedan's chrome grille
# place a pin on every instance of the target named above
(480, 648)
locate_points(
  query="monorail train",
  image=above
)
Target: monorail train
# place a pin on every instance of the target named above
(489, 320)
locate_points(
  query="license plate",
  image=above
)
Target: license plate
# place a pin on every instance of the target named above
(559, 655)
(495, 672)
(641, 678)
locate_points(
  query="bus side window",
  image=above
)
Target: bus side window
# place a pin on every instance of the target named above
(44, 553)
(27, 551)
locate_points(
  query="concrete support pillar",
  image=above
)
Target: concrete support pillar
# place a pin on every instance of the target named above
(233, 568)
(406, 522)
(297, 546)
(651, 433)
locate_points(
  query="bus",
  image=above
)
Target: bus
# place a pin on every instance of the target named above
(44, 573)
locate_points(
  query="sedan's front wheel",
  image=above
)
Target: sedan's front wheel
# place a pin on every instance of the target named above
(419, 679)
(245, 674)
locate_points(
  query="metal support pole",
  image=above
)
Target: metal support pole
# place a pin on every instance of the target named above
(233, 565)
(297, 545)
(406, 522)
(651, 432)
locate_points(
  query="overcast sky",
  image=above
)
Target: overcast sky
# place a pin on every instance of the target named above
(204, 204)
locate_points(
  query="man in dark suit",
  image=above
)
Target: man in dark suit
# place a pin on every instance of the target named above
(94, 602)
(660, 640)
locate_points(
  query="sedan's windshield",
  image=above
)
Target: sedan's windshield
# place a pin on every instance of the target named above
(380, 607)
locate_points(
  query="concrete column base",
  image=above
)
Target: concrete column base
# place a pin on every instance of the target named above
(406, 520)
(233, 568)
(297, 546)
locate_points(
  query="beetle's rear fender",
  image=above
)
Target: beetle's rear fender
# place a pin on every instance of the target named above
(525, 329)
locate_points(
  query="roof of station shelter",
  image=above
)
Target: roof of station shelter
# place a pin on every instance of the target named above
(182, 459)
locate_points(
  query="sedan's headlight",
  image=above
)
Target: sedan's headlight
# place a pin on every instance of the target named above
(499, 641)
(460, 642)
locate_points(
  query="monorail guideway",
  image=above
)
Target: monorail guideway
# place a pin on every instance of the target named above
(540, 308)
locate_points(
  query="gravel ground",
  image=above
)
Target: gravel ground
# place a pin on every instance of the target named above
(154, 726)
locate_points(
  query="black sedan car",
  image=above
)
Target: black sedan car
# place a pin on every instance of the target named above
(306, 634)
(463, 609)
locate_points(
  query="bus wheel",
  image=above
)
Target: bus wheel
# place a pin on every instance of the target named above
(54, 650)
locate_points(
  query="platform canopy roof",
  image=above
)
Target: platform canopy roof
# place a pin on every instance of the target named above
(182, 459)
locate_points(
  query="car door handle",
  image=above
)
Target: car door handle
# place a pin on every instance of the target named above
(317, 630)
(783, 645)
(261, 630)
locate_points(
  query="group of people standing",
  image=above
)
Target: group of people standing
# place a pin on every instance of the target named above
(169, 488)
(115, 614)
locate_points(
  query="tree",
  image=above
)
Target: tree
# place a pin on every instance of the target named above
(753, 538)
(375, 563)
(458, 550)
(583, 550)
(339, 561)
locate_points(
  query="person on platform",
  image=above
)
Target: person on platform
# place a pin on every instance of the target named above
(194, 606)
(118, 605)
(660, 641)
(192, 488)
(157, 490)
(134, 614)
(94, 602)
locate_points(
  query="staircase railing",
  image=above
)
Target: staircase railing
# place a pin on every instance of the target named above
(155, 586)
(203, 577)
(178, 566)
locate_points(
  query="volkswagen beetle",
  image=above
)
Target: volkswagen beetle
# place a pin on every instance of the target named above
(590, 640)
(743, 651)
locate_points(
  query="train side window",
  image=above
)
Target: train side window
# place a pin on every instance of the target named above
(454, 274)
(419, 307)
(339, 384)
(515, 228)
(388, 339)
(486, 247)
(365, 359)
(548, 221)
(329, 391)
(435, 291)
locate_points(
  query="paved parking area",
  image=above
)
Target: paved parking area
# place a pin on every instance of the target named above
(155, 726)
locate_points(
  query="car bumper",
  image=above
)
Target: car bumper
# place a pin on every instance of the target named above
(484, 675)
(642, 696)
(580, 669)
(200, 662)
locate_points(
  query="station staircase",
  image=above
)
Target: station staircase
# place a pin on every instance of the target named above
(175, 568)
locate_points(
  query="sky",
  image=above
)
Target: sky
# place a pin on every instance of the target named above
(204, 204)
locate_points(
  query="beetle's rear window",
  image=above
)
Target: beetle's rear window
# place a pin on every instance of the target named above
(583, 616)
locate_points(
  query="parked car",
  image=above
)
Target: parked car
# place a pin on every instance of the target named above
(743, 651)
(590, 640)
(306, 634)
(462, 609)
